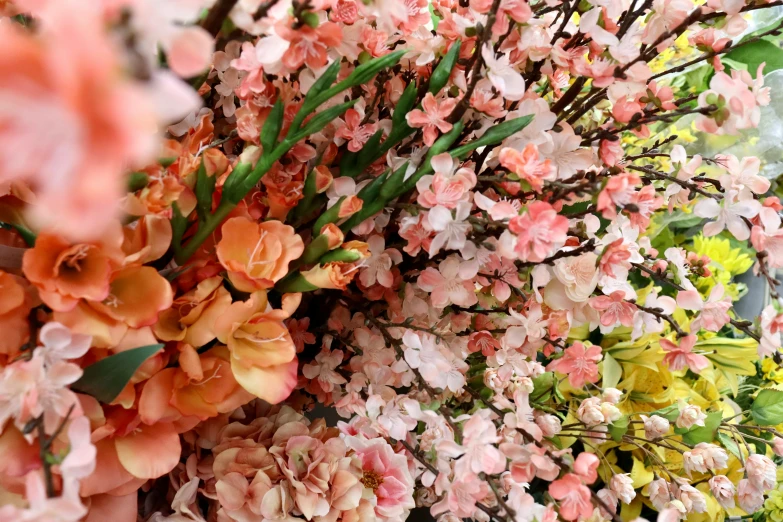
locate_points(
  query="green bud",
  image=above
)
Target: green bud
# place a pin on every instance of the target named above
(310, 19)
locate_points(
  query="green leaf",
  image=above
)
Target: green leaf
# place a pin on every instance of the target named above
(440, 76)
(205, 186)
(232, 187)
(272, 126)
(612, 372)
(325, 80)
(404, 104)
(106, 378)
(756, 53)
(730, 444)
(704, 433)
(321, 120)
(670, 413)
(137, 181)
(28, 235)
(619, 428)
(542, 387)
(179, 224)
(767, 409)
(494, 135)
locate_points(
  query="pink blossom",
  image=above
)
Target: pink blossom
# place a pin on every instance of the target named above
(769, 237)
(80, 460)
(660, 493)
(760, 471)
(690, 415)
(681, 356)
(450, 284)
(445, 188)
(574, 497)
(507, 80)
(461, 495)
(59, 343)
(432, 118)
(451, 227)
(308, 45)
(736, 206)
(655, 426)
(323, 369)
(750, 497)
(478, 451)
(579, 364)
(528, 165)
(386, 474)
(615, 310)
(378, 265)
(539, 231)
(692, 499)
(586, 467)
(29, 390)
(714, 313)
(621, 485)
(529, 461)
(618, 192)
(354, 132)
(65, 508)
(722, 489)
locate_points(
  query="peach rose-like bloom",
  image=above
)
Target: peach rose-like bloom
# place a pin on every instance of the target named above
(257, 255)
(263, 354)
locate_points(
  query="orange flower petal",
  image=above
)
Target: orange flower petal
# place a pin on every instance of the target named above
(273, 384)
(149, 451)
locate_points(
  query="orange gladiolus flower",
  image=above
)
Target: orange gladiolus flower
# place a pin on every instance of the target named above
(15, 305)
(263, 354)
(203, 386)
(65, 272)
(192, 316)
(257, 255)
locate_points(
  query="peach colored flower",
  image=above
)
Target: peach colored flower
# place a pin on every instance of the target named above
(16, 301)
(202, 386)
(64, 272)
(191, 317)
(257, 255)
(136, 295)
(263, 355)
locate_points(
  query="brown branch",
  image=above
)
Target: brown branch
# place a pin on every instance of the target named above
(219, 12)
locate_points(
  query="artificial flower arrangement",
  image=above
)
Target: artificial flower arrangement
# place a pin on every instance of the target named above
(465, 225)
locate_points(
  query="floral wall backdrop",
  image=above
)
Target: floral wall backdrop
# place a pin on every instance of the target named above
(522, 253)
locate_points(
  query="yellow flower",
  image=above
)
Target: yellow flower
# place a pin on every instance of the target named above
(772, 372)
(723, 257)
(773, 506)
